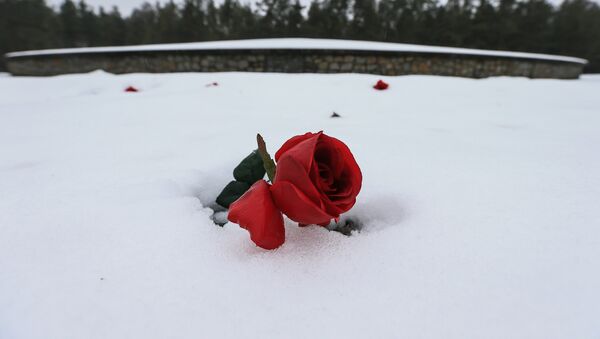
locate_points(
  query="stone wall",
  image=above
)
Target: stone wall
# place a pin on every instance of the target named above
(293, 61)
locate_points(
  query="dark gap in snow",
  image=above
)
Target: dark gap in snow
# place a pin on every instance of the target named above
(346, 227)
(219, 216)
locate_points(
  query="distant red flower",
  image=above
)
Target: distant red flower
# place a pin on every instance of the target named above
(131, 89)
(381, 85)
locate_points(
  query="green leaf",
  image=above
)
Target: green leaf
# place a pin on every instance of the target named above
(250, 170)
(268, 163)
(232, 192)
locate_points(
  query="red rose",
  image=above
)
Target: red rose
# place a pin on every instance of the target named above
(381, 85)
(317, 179)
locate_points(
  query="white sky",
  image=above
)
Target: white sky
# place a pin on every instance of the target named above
(126, 6)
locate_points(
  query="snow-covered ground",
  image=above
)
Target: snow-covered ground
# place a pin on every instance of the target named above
(480, 205)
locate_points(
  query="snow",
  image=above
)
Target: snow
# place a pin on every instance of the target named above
(479, 205)
(301, 43)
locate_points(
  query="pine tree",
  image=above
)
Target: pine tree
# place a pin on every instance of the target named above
(192, 26)
(295, 20)
(111, 27)
(167, 24)
(141, 25)
(573, 28)
(365, 24)
(576, 31)
(71, 25)
(314, 25)
(336, 18)
(88, 23)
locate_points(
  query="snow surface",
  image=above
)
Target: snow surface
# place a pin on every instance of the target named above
(301, 43)
(480, 207)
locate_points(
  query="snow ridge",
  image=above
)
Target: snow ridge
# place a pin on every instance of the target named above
(300, 44)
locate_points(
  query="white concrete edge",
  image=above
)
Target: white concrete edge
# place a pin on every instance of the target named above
(299, 43)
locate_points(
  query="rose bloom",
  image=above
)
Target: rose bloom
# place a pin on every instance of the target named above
(316, 180)
(381, 85)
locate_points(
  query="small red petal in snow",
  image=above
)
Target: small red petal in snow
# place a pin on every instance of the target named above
(381, 85)
(131, 89)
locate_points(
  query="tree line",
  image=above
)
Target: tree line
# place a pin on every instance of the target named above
(572, 28)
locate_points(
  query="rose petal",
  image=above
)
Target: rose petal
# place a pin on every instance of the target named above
(302, 152)
(256, 212)
(296, 205)
(290, 170)
(344, 154)
(340, 196)
(350, 172)
(325, 201)
(325, 179)
(326, 152)
(293, 141)
(300, 147)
